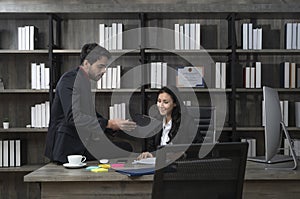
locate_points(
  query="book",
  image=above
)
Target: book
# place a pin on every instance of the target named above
(186, 36)
(192, 36)
(1, 153)
(176, 36)
(102, 35)
(5, 153)
(120, 36)
(259, 38)
(181, 37)
(245, 36)
(136, 171)
(114, 36)
(294, 35)
(285, 75)
(198, 36)
(257, 74)
(250, 34)
(288, 36)
(33, 75)
(11, 153)
(20, 46)
(33, 37)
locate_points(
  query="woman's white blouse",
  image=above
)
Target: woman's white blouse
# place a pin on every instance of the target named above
(166, 129)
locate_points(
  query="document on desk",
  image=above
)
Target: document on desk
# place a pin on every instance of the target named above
(136, 171)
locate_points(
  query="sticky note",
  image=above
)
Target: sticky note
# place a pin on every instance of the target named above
(91, 167)
(97, 170)
(117, 165)
(105, 166)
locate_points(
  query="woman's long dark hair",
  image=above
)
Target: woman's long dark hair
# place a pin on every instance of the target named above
(177, 111)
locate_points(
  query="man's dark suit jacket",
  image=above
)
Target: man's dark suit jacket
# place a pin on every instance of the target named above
(72, 111)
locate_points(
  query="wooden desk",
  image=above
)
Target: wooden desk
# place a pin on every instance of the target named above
(59, 182)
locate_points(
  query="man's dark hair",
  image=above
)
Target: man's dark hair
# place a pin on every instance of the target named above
(93, 52)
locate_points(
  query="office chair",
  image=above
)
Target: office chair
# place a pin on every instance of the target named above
(205, 120)
(217, 175)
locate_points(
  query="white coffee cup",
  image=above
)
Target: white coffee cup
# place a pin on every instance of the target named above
(76, 159)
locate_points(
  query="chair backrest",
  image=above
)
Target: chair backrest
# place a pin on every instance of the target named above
(219, 174)
(205, 119)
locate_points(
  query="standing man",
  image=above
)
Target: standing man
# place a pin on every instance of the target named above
(74, 122)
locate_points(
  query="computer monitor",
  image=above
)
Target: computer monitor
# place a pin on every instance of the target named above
(273, 131)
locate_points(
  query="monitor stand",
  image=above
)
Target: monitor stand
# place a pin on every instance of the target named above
(276, 159)
(279, 158)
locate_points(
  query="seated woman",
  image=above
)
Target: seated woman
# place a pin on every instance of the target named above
(177, 125)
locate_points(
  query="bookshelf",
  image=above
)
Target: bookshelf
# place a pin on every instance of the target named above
(64, 29)
(272, 54)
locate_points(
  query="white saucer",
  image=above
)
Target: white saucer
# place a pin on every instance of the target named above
(74, 166)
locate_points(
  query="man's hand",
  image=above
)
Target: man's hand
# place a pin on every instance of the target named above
(119, 124)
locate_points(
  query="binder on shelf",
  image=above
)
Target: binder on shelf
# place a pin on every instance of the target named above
(176, 36)
(223, 75)
(153, 75)
(120, 36)
(285, 75)
(12, 153)
(259, 38)
(250, 36)
(33, 37)
(255, 38)
(114, 36)
(20, 44)
(186, 36)
(218, 75)
(198, 36)
(20, 152)
(181, 37)
(5, 153)
(27, 38)
(257, 74)
(293, 75)
(158, 75)
(102, 35)
(245, 36)
(294, 36)
(1, 153)
(33, 76)
(252, 77)
(192, 36)
(298, 35)
(288, 36)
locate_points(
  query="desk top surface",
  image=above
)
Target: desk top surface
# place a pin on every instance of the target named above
(57, 173)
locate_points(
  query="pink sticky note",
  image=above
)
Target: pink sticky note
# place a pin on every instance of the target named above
(117, 165)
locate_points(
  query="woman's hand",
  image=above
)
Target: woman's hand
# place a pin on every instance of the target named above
(145, 155)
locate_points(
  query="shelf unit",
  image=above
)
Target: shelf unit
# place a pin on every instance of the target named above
(64, 29)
